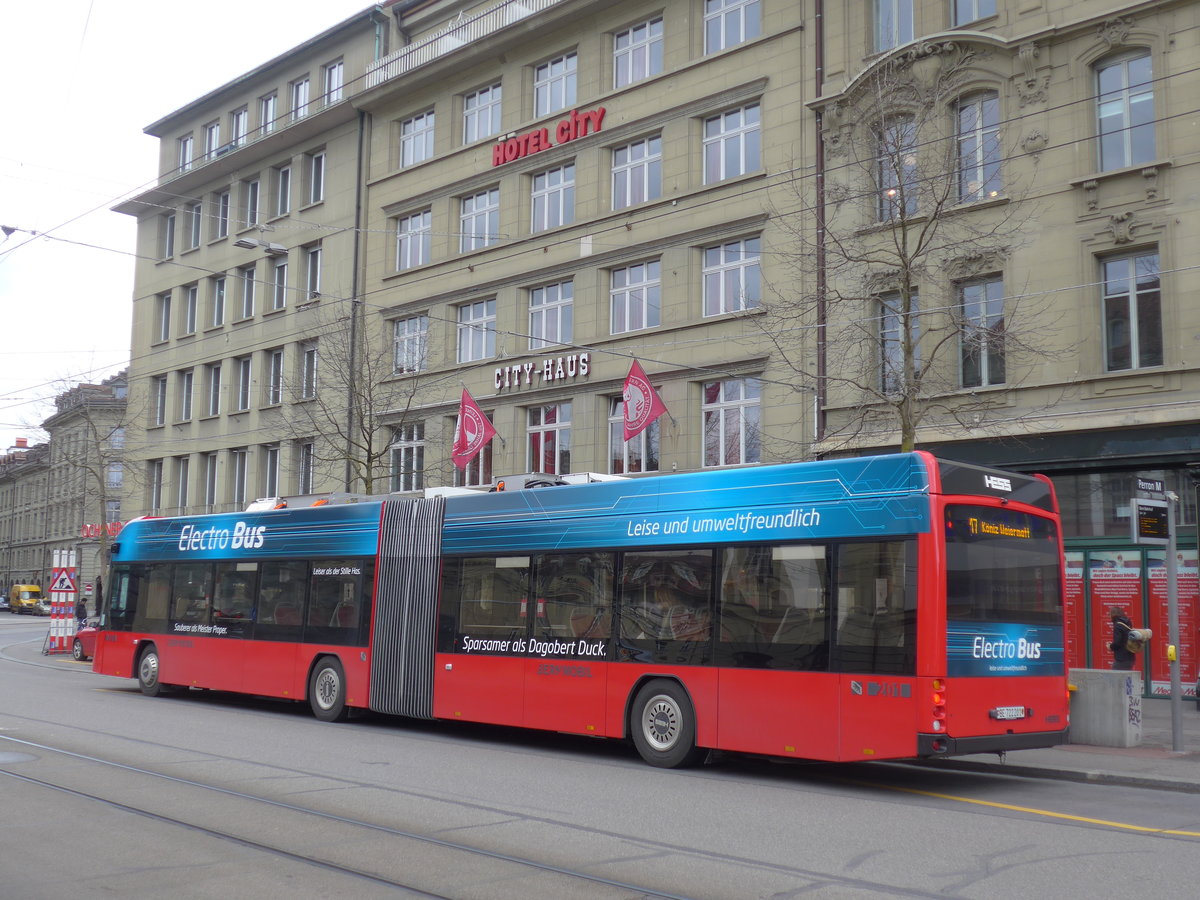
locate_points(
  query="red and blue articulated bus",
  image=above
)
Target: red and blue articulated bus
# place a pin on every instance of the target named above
(876, 608)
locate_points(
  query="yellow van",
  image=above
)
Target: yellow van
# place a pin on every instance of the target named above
(28, 598)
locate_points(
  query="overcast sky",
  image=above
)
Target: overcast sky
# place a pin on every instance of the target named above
(82, 78)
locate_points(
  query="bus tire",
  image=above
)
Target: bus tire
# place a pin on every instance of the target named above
(148, 672)
(663, 725)
(327, 690)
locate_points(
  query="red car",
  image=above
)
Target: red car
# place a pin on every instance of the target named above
(84, 645)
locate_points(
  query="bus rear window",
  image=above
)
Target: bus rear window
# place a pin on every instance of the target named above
(1001, 566)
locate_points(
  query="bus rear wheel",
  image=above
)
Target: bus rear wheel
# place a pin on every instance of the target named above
(327, 690)
(148, 673)
(663, 725)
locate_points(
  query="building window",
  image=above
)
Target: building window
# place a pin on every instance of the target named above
(191, 303)
(308, 460)
(250, 202)
(221, 226)
(244, 383)
(1132, 312)
(246, 276)
(981, 306)
(299, 99)
(335, 74)
(212, 139)
(185, 395)
(897, 170)
(894, 327)
(114, 475)
(970, 10)
(730, 22)
(554, 85)
(480, 220)
(635, 295)
(279, 284)
(477, 331)
(411, 337)
(166, 236)
(156, 484)
(416, 139)
(639, 453)
(308, 371)
(187, 148)
(210, 480)
(163, 316)
(241, 461)
(553, 198)
(550, 312)
(239, 124)
(979, 148)
(481, 114)
(218, 302)
(408, 457)
(112, 511)
(731, 422)
(158, 391)
(312, 269)
(637, 172)
(268, 111)
(731, 276)
(316, 176)
(213, 388)
(270, 481)
(638, 52)
(550, 438)
(182, 468)
(893, 23)
(192, 217)
(478, 472)
(275, 377)
(1125, 111)
(414, 240)
(283, 190)
(732, 143)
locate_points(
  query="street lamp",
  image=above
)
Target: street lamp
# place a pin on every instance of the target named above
(254, 244)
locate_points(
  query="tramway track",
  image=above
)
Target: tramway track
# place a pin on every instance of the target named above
(367, 852)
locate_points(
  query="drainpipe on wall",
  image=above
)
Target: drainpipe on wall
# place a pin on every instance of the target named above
(819, 88)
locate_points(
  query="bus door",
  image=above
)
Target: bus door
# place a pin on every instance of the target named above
(482, 631)
(566, 678)
(874, 648)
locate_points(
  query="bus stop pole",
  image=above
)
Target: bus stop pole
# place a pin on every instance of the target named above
(1173, 625)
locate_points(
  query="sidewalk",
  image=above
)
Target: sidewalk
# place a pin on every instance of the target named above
(1153, 764)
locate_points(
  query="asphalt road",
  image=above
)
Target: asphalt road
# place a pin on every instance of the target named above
(105, 792)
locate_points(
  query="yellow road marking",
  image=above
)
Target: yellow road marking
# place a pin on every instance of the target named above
(1036, 812)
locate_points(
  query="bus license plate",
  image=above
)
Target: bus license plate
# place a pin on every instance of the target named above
(1008, 712)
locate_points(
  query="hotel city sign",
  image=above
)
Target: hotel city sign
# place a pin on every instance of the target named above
(576, 125)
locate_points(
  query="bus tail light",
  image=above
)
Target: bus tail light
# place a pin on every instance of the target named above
(938, 698)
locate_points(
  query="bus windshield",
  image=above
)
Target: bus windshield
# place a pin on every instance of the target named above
(1001, 566)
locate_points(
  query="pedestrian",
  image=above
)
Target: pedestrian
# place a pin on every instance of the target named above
(81, 612)
(1123, 657)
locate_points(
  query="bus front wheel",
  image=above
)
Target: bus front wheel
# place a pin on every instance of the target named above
(327, 690)
(148, 673)
(664, 725)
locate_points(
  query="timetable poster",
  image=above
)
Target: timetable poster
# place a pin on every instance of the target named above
(1115, 579)
(1188, 587)
(1076, 634)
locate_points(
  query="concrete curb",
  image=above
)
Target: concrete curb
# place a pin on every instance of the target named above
(1081, 776)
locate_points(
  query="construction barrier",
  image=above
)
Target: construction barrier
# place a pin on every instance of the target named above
(63, 595)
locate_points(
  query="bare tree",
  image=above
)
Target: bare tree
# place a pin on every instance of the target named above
(897, 317)
(351, 394)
